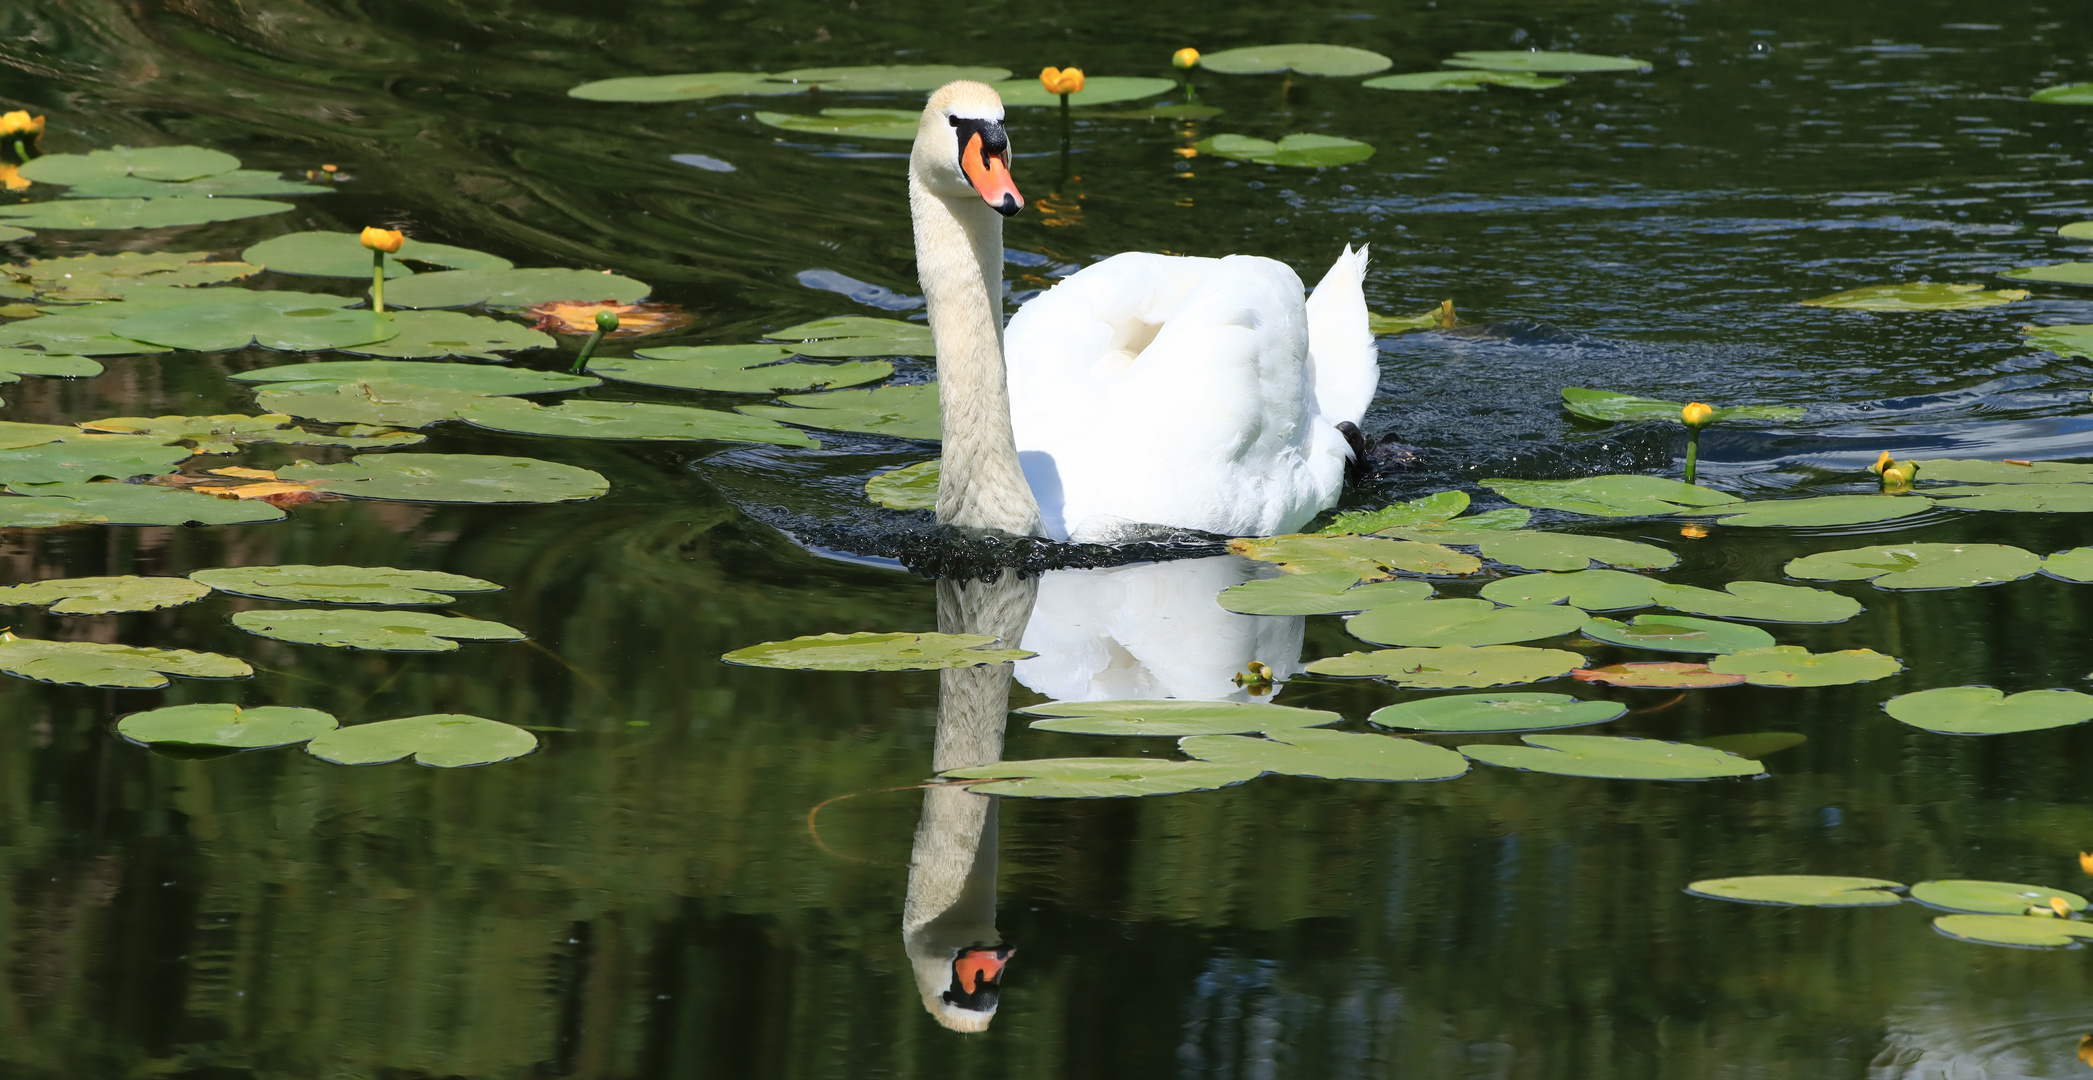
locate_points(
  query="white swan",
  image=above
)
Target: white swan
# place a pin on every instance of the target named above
(1146, 390)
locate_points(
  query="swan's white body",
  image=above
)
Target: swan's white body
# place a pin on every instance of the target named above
(1146, 390)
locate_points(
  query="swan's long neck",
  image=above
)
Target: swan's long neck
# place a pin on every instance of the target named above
(959, 258)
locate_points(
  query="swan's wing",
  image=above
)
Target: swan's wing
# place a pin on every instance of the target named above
(1340, 347)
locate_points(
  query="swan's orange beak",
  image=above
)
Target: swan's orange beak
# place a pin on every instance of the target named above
(977, 976)
(990, 173)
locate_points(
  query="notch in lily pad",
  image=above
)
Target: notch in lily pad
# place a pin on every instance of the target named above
(226, 726)
(1300, 58)
(1173, 718)
(866, 651)
(438, 740)
(1985, 710)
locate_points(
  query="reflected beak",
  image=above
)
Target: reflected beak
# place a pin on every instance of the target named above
(990, 174)
(977, 976)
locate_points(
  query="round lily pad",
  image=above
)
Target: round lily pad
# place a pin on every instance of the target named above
(1366, 558)
(1432, 509)
(464, 378)
(1758, 601)
(341, 584)
(1677, 633)
(687, 87)
(905, 412)
(1920, 566)
(1991, 897)
(2070, 273)
(2016, 931)
(1971, 471)
(1657, 675)
(375, 631)
(1982, 710)
(450, 478)
(2019, 498)
(1793, 665)
(1172, 718)
(1568, 551)
(1608, 406)
(1801, 890)
(2073, 565)
(227, 726)
(103, 595)
(135, 213)
(876, 652)
(1330, 592)
(90, 663)
(889, 78)
(1477, 713)
(852, 335)
(1097, 90)
(1306, 59)
(72, 503)
(1918, 296)
(143, 162)
(897, 124)
(1461, 622)
(1591, 590)
(1618, 495)
(442, 740)
(1536, 61)
(1821, 511)
(1330, 755)
(431, 335)
(1461, 81)
(511, 288)
(1300, 150)
(735, 369)
(1101, 778)
(342, 254)
(628, 420)
(1452, 667)
(1614, 758)
(224, 327)
(911, 487)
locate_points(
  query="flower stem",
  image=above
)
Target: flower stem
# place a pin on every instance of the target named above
(377, 281)
(1191, 95)
(1693, 451)
(588, 349)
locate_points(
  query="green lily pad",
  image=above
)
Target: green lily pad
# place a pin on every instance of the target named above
(1472, 529)
(82, 457)
(1536, 61)
(1097, 90)
(904, 412)
(735, 369)
(1608, 406)
(103, 595)
(1801, 890)
(441, 740)
(224, 327)
(14, 435)
(1972, 471)
(855, 335)
(208, 434)
(1101, 778)
(1568, 551)
(81, 278)
(889, 78)
(1620, 495)
(136, 213)
(342, 254)
(2070, 273)
(15, 363)
(1431, 509)
(1758, 601)
(450, 478)
(1300, 149)
(1918, 296)
(689, 87)
(341, 584)
(1380, 325)
(2077, 230)
(628, 420)
(126, 504)
(1172, 718)
(1920, 566)
(1462, 81)
(2073, 565)
(876, 652)
(1479, 713)
(375, 631)
(2067, 94)
(1330, 592)
(78, 335)
(1366, 558)
(352, 437)
(144, 162)
(1819, 512)
(372, 401)
(1677, 633)
(1330, 755)
(1592, 590)
(90, 663)
(1793, 665)
(1982, 710)
(1461, 622)
(895, 124)
(2016, 931)
(511, 288)
(1660, 675)
(237, 183)
(911, 487)
(463, 378)
(1614, 757)
(2018, 498)
(9, 233)
(1335, 60)
(1991, 897)
(225, 726)
(431, 335)
(1453, 667)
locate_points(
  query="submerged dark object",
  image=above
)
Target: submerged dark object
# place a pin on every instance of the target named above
(1387, 454)
(946, 551)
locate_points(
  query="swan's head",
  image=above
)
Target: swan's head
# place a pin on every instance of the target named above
(961, 147)
(962, 993)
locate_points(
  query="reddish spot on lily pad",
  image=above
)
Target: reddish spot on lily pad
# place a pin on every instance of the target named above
(1662, 675)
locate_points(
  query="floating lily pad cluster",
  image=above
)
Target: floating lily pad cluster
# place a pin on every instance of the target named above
(440, 740)
(1529, 70)
(1982, 912)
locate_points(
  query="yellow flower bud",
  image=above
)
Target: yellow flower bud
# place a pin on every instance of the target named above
(2061, 906)
(2085, 861)
(1696, 414)
(1894, 478)
(1881, 463)
(19, 122)
(385, 240)
(1185, 58)
(1061, 80)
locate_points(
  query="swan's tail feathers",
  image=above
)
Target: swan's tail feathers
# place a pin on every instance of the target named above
(1340, 347)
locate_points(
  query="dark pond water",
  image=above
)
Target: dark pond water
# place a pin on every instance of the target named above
(645, 897)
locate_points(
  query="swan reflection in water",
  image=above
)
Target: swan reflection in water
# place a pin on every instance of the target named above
(1149, 630)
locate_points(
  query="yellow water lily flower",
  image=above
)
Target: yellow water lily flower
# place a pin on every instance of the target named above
(1881, 463)
(1061, 80)
(2085, 861)
(2061, 906)
(19, 121)
(1187, 58)
(1696, 414)
(385, 240)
